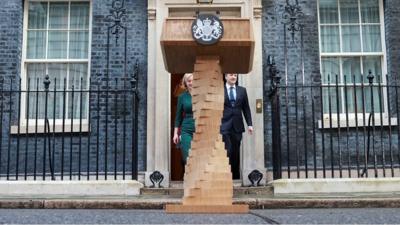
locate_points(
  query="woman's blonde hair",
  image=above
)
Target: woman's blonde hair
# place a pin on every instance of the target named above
(185, 79)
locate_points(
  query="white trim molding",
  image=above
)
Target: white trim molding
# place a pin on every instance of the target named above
(158, 89)
(151, 12)
(257, 9)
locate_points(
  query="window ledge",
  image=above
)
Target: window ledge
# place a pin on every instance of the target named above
(352, 123)
(57, 129)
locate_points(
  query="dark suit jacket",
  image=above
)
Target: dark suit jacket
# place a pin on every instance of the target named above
(232, 120)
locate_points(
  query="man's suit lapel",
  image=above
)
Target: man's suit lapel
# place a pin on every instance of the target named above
(238, 95)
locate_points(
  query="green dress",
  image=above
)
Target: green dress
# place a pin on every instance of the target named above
(184, 120)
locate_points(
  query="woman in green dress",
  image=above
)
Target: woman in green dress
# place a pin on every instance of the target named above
(184, 118)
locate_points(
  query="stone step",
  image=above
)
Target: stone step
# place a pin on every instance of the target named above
(238, 191)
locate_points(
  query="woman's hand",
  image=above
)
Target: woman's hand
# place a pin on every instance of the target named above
(175, 139)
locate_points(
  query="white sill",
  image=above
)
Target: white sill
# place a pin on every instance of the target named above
(352, 122)
(58, 129)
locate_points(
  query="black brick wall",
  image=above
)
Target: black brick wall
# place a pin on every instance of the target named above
(343, 145)
(19, 148)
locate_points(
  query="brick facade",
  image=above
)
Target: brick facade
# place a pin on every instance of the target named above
(11, 15)
(273, 44)
(11, 32)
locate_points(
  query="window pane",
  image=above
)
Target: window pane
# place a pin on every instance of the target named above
(369, 98)
(373, 63)
(349, 11)
(35, 75)
(79, 15)
(351, 66)
(78, 80)
(328, 11)
(330, 68)
(78, 45)
(364, 100)
(353, 103)
(351, 74)
(57, 45)
(36, 71)
(76, 72)
(36, 45)
(37, 15)
(371, 38)
(330, 95)
(351, 38)
(58, 15)
(348, 93)
(57, 73)
(330, 39)
(369, 11)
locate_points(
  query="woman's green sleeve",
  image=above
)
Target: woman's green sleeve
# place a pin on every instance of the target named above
(178, 116)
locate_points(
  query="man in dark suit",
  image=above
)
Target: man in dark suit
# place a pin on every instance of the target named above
(232, 127)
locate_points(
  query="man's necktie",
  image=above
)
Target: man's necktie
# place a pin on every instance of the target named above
(231, 97)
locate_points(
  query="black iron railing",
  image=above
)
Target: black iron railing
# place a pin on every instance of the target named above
(49, 131)
(335, 129)
(329, 125)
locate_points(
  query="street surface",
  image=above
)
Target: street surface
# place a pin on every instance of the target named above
(276, 216)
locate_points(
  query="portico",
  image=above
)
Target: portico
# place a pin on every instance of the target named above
(159, 89)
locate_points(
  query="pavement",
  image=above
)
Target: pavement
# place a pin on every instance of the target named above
(258, 216)
(255, 197)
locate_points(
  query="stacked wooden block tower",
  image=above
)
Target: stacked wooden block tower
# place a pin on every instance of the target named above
(208, 184)
(208, 179)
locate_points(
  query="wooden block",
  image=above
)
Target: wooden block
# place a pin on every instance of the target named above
(209, 90)
(208, 98)
(207, 65)
(214, 192)
(205, 143)
(206, 59)
(200, 85)
(209, 61)
(197, 200)
(208, 105)
(222, 161)
(202, 129)
(216, 209)
(212, 183)
(216, 176)
(205, 136)
(215, 75)
(209, 113)
(216, 167)
(208, 124)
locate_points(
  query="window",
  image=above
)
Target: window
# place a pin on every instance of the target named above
(56, 42)
(351, 44)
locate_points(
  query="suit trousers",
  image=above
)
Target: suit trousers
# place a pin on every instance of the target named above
(232, 145)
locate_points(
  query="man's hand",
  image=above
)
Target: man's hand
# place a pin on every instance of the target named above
(250, 129)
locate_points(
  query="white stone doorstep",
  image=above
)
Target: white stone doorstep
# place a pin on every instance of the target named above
(336, 185)
(70, 188)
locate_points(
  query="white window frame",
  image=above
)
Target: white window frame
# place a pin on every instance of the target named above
(25, 61)
(340, 55)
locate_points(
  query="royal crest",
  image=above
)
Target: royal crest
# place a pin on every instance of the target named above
(207, 29)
